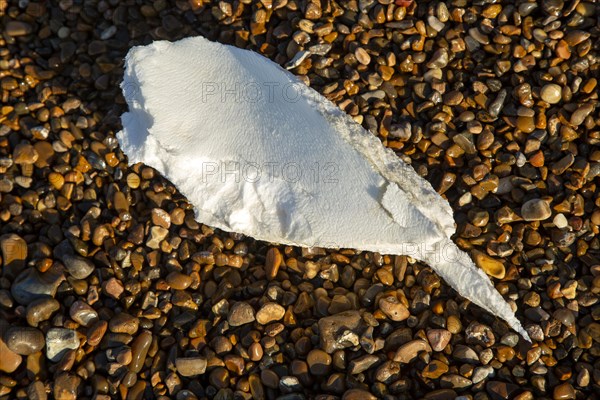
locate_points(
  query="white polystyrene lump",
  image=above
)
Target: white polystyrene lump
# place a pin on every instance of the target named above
(258, 152)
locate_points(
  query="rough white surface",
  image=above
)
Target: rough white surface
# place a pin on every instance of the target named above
(259, 153)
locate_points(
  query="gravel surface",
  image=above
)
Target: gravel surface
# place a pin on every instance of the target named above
(110, 289)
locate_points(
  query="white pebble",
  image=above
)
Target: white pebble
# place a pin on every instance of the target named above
(560, 221)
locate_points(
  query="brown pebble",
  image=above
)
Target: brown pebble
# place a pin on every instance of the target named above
(392, 307)
(178, 281)
(488, 264)
(269, 312)
(139, 349)
(409, 351)
(272, 263)
(123, 323)
(319, 362)
(190, 366)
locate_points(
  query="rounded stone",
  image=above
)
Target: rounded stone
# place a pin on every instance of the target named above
(24, 340)
(536, 210)
(551, 93)
(319, 362)
(241, 313)
(269, 312)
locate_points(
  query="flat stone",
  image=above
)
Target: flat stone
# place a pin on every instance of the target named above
(24, 340)
(361, 364)
(190, 366)
(17, 28)
(41, 310)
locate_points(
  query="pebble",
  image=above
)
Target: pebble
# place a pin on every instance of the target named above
(83, 313)
(31, 285)
(25, 153)
(580, 114)
(332, 329)
(161, 218)
(157, 235)
(123, 323)
(96, 332)
(17, 28)
(438, 338)
(269, 312)
(139, 349)
(409, 351)
(361, 364)
(551, 93)
(482, 373)
(319, 362)
(394, 310)
(535, 210)
(480, 334)
(358, 394)
(241, 313)
(67, 386)
(190, 366)
(178, 281)
(564, 391)
(272, 263)
(59, 341)
(78, 267)
(489, 265)
(14, 251)
(36, 391)
(499, 390)
(23, 340)
(503, 111)
(362, 56)
(10, 359)
(560, 221)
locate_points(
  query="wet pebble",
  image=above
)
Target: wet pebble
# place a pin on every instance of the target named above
(536, 210)
(59, 341)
